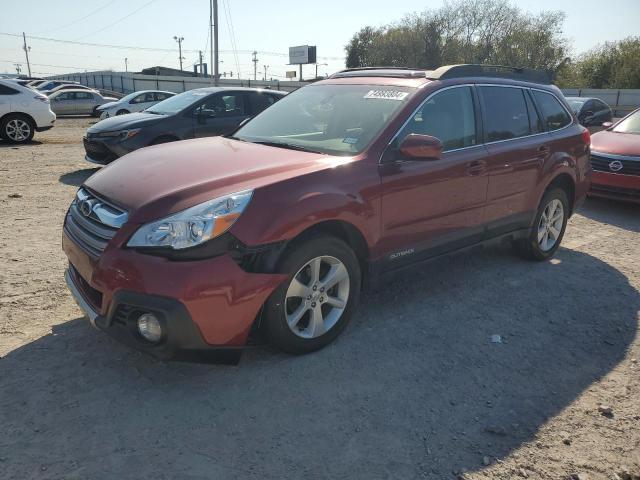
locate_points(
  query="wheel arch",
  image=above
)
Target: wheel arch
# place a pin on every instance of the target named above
(22, 114)
(567, 183)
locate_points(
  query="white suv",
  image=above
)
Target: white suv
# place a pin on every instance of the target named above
(23, 112)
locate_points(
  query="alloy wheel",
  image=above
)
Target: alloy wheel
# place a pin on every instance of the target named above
(317, 297)
(18, 130)
(550, 225)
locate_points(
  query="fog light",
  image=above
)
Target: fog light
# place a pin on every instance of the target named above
(149, 327)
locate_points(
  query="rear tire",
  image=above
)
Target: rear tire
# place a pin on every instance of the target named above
(122, 112)
(312, 307)
(548, 227)
(17, 128)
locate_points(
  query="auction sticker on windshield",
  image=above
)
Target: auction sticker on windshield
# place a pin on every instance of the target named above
(387, 94)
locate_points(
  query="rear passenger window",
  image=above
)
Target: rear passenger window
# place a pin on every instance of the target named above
(506, 115)
(554, 115)
(448, 116)
(4, 90)
(260, 101)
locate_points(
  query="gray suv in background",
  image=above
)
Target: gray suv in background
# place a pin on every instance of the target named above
(203, 112)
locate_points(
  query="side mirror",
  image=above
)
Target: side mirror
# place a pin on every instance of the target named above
(607, 124)
(424, 147)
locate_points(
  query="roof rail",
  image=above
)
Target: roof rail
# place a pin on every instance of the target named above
(493, 71)
(451, 71)
(397, 72)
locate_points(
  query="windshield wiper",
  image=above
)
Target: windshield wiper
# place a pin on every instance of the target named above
(286, 145)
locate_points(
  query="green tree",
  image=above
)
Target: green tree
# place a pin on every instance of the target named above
(463, 31)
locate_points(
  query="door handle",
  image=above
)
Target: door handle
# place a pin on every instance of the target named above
(544, 150)
(477, 167)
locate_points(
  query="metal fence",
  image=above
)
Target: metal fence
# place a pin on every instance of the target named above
(125, 82)
(620, 101)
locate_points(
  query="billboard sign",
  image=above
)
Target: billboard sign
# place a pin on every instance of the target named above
(302, 54)
(292, 74)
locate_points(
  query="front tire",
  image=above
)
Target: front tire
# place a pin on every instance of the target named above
(122, 112)
(548, 227)
(16, 128)
(310, 309)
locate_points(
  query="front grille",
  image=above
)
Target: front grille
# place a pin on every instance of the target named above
(97, 151)
(601, 163)
(91, 223)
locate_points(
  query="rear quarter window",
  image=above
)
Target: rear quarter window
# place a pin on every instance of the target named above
(4, 90)
(554, 116)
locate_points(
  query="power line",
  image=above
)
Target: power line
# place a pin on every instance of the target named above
(108, 4)
(232, 34)
(117, 21)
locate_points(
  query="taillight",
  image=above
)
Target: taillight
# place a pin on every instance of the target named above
(586, 136)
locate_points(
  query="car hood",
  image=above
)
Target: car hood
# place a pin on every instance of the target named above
(124, 122)
(156, 181)
(607, 141)
(107, 105)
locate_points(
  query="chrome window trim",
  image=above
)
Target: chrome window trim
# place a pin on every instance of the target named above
(413, 114)
(614, 156)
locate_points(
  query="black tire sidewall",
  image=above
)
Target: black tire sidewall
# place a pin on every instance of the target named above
(534, 248)
(278, 332)
(122, 112)
(7, 119)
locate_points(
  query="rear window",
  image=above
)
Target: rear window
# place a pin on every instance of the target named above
(506, 114)
(554, 116)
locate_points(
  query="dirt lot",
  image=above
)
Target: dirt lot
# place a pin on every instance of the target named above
(414, 388)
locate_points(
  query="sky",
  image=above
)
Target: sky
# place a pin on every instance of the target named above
(147, 28)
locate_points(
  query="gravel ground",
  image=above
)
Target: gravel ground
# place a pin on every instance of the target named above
(414, 388)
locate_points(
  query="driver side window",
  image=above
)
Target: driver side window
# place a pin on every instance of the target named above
(222, 105)
(448, 116)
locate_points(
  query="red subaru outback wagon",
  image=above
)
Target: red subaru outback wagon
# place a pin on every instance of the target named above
(187, 248)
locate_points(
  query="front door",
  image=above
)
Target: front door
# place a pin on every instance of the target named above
(219, 114)
(430, 207)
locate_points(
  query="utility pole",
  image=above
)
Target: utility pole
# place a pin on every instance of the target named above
(26, 52)
(18, 67)
(180, 57)
(126, 64)
(215, 48)
(255, 65)
(265, 72)
(201, 64)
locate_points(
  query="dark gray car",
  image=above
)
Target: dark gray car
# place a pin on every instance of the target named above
(591, 112)
(203, 112)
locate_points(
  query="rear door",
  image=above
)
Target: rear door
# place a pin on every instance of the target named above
(430, 207)
(86, 102)
(219, 114)
(518, 148)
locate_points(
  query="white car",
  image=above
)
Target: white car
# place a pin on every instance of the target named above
(134, 102)
(23, 112)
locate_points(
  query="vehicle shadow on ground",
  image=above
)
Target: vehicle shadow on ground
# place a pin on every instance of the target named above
(5, 144)
(77, 177)
(414, 388)
(621, 214)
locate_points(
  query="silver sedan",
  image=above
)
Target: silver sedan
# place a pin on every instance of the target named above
(77, 102)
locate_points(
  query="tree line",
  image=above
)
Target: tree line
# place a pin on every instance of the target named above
(494, 32)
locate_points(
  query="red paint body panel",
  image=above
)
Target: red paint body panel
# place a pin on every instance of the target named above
(616, 143)
(222, 299)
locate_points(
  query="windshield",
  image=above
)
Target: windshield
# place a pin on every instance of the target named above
(575, 105)
(333, 119)
(631, 124)
(178, 102)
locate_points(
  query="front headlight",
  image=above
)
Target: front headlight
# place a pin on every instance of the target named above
(120, 134)
(194, 225)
